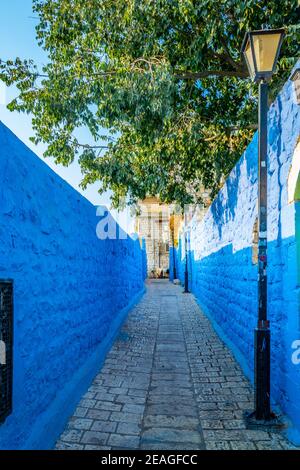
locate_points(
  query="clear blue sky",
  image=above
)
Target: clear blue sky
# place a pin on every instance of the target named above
(17, 39)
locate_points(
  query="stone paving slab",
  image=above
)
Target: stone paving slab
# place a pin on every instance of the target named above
(168, 383)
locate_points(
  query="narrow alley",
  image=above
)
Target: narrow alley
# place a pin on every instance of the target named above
(168, 382)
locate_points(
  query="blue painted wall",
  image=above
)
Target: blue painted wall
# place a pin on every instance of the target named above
(71, 292)
(221, 272)
(173, 261)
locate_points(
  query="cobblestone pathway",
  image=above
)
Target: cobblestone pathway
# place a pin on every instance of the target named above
(167, 383)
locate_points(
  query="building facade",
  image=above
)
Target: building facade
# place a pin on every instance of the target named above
(160, 226)
(153, 225)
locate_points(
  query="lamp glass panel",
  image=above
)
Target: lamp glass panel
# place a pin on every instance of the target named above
(265, 49)
(249, 58)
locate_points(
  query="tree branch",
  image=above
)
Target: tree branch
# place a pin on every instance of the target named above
(87, 146)
(238, 128)
(211, 73)
(229, 56)
(239, 71)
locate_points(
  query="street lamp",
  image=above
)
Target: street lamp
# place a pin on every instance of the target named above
(261, 50)
(186, 272)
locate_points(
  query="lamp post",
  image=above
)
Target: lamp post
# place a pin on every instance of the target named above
(186, 273)
(261, 50)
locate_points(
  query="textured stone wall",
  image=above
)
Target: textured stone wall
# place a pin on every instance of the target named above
(71, 291)
(222, 269)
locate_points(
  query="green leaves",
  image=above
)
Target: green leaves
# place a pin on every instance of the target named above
(165, 77)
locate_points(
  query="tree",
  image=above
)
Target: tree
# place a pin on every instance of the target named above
(164, 76)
